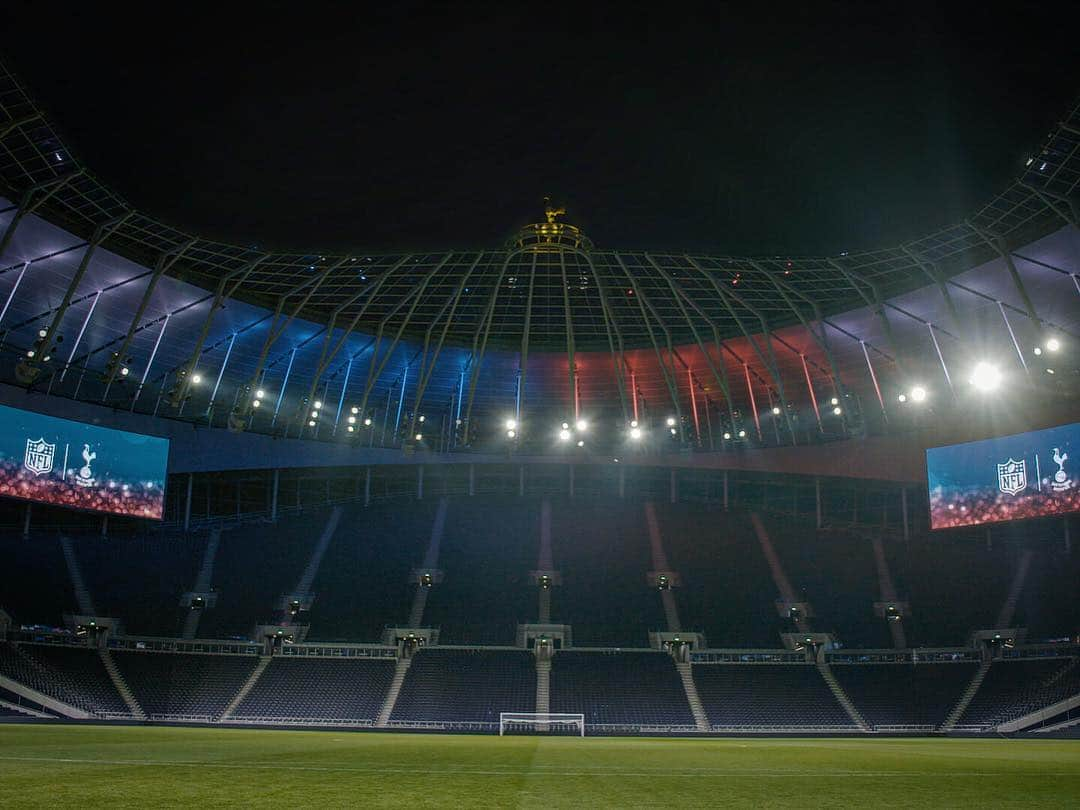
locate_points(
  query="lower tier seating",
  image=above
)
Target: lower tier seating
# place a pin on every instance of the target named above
(619, 688)
(320, 689)
(767, 695)
(74, 675)
(467, 686)
(1012, 689)
(902, 694)
(184, 684)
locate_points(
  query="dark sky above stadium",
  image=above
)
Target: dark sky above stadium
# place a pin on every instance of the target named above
(818, 128)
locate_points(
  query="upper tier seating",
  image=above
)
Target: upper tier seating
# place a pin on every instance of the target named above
(319, 689)
(620, 688)
(74, 675)
(183, 684)
(902, 694)
(1012, 689)
(767, 695)
(363, 582)
(727, 590)
(140, 578)
(488, 548)
(34, 583)
(602, 550)
(467, 686)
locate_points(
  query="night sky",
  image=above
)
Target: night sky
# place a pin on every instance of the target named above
(817, 129)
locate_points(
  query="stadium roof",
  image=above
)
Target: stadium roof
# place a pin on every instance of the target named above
(548, 290)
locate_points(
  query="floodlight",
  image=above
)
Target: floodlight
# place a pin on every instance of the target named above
(351, 428)
(633, 423)
(670, 421)
(742, 434)
(422, 417)
(635, 433)
(581, 443)
(256, 403)
(511, 433)
(727, 436)
(511, 424)
(196, 379)
(1038, 350)
(311, 423)
(837, 410)
(367, 421)
(314, 414)
(834, 401)
(354, 409)
(352, 420)
(918, 394)
(902, 398)
(260, 394)
(317, 405)
(674, 431)
(776, 410)
(582, 425)
(419, 437)
(1053, 344)
(564, 435)
(565, 425)
(985, 376)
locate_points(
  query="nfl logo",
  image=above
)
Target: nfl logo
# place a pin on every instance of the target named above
(39, 456)
(1012, 476)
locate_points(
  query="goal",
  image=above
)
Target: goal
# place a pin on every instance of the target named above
(541, 723)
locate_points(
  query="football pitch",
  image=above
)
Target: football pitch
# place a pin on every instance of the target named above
(131, 766)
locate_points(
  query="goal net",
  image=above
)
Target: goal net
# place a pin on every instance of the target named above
(541, 723)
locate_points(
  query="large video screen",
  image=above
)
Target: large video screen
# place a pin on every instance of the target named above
(1008, 478)
(67, 463)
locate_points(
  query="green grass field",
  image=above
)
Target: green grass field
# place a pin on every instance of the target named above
(128, 766)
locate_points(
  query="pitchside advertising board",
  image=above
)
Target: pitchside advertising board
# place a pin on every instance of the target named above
(1008, 478)
(66, 463)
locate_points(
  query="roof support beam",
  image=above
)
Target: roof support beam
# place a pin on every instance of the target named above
(28, 205)
(166, 261)
(618, 360)
(668, 372)
(998, 244)
(523, 365)
(478, 357)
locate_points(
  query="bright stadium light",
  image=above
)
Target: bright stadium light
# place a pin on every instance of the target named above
(902, 398)
(1053, 344)
(985, 376)
(633, 423)
(635, 433)
(837, 410)
(352, 420)
(1038, 350)
(260, 394)
(674, 431)
(727, 437)
(351, 428)
(834, 401)
(422, 417)
(314, 414)
(511, 424)
(196, 379)
(742, 434)
(581, 443)
(564, 435)
(42, 332)
(918, 394)
(582, 425)
(419, 437)
(511, 433)
(354, 410)
(256, 403)
(776, 410)
(367, 421)
(317, 405)
(671, 421)
(565, 425)
(311, 423)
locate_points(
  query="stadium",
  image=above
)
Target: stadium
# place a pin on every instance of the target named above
(542, 522)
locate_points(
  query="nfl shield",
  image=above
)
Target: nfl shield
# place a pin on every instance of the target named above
(39, 456)
(1012, 476)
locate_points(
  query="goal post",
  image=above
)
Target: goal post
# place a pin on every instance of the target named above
(541, 722)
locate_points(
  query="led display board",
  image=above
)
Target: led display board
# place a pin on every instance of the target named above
(1007, 478)
(74, 464)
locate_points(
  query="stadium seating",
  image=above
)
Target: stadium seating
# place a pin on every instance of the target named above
(34, 585)
(488, 548)
(727, 590)
(466, 686)
(902, 694)
(767, 695)
(182, 684)
(362, 585)
(140, 578)
(1012, 689)
(619, 688)
(74, 675)
(602, 549)
(318, 689)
